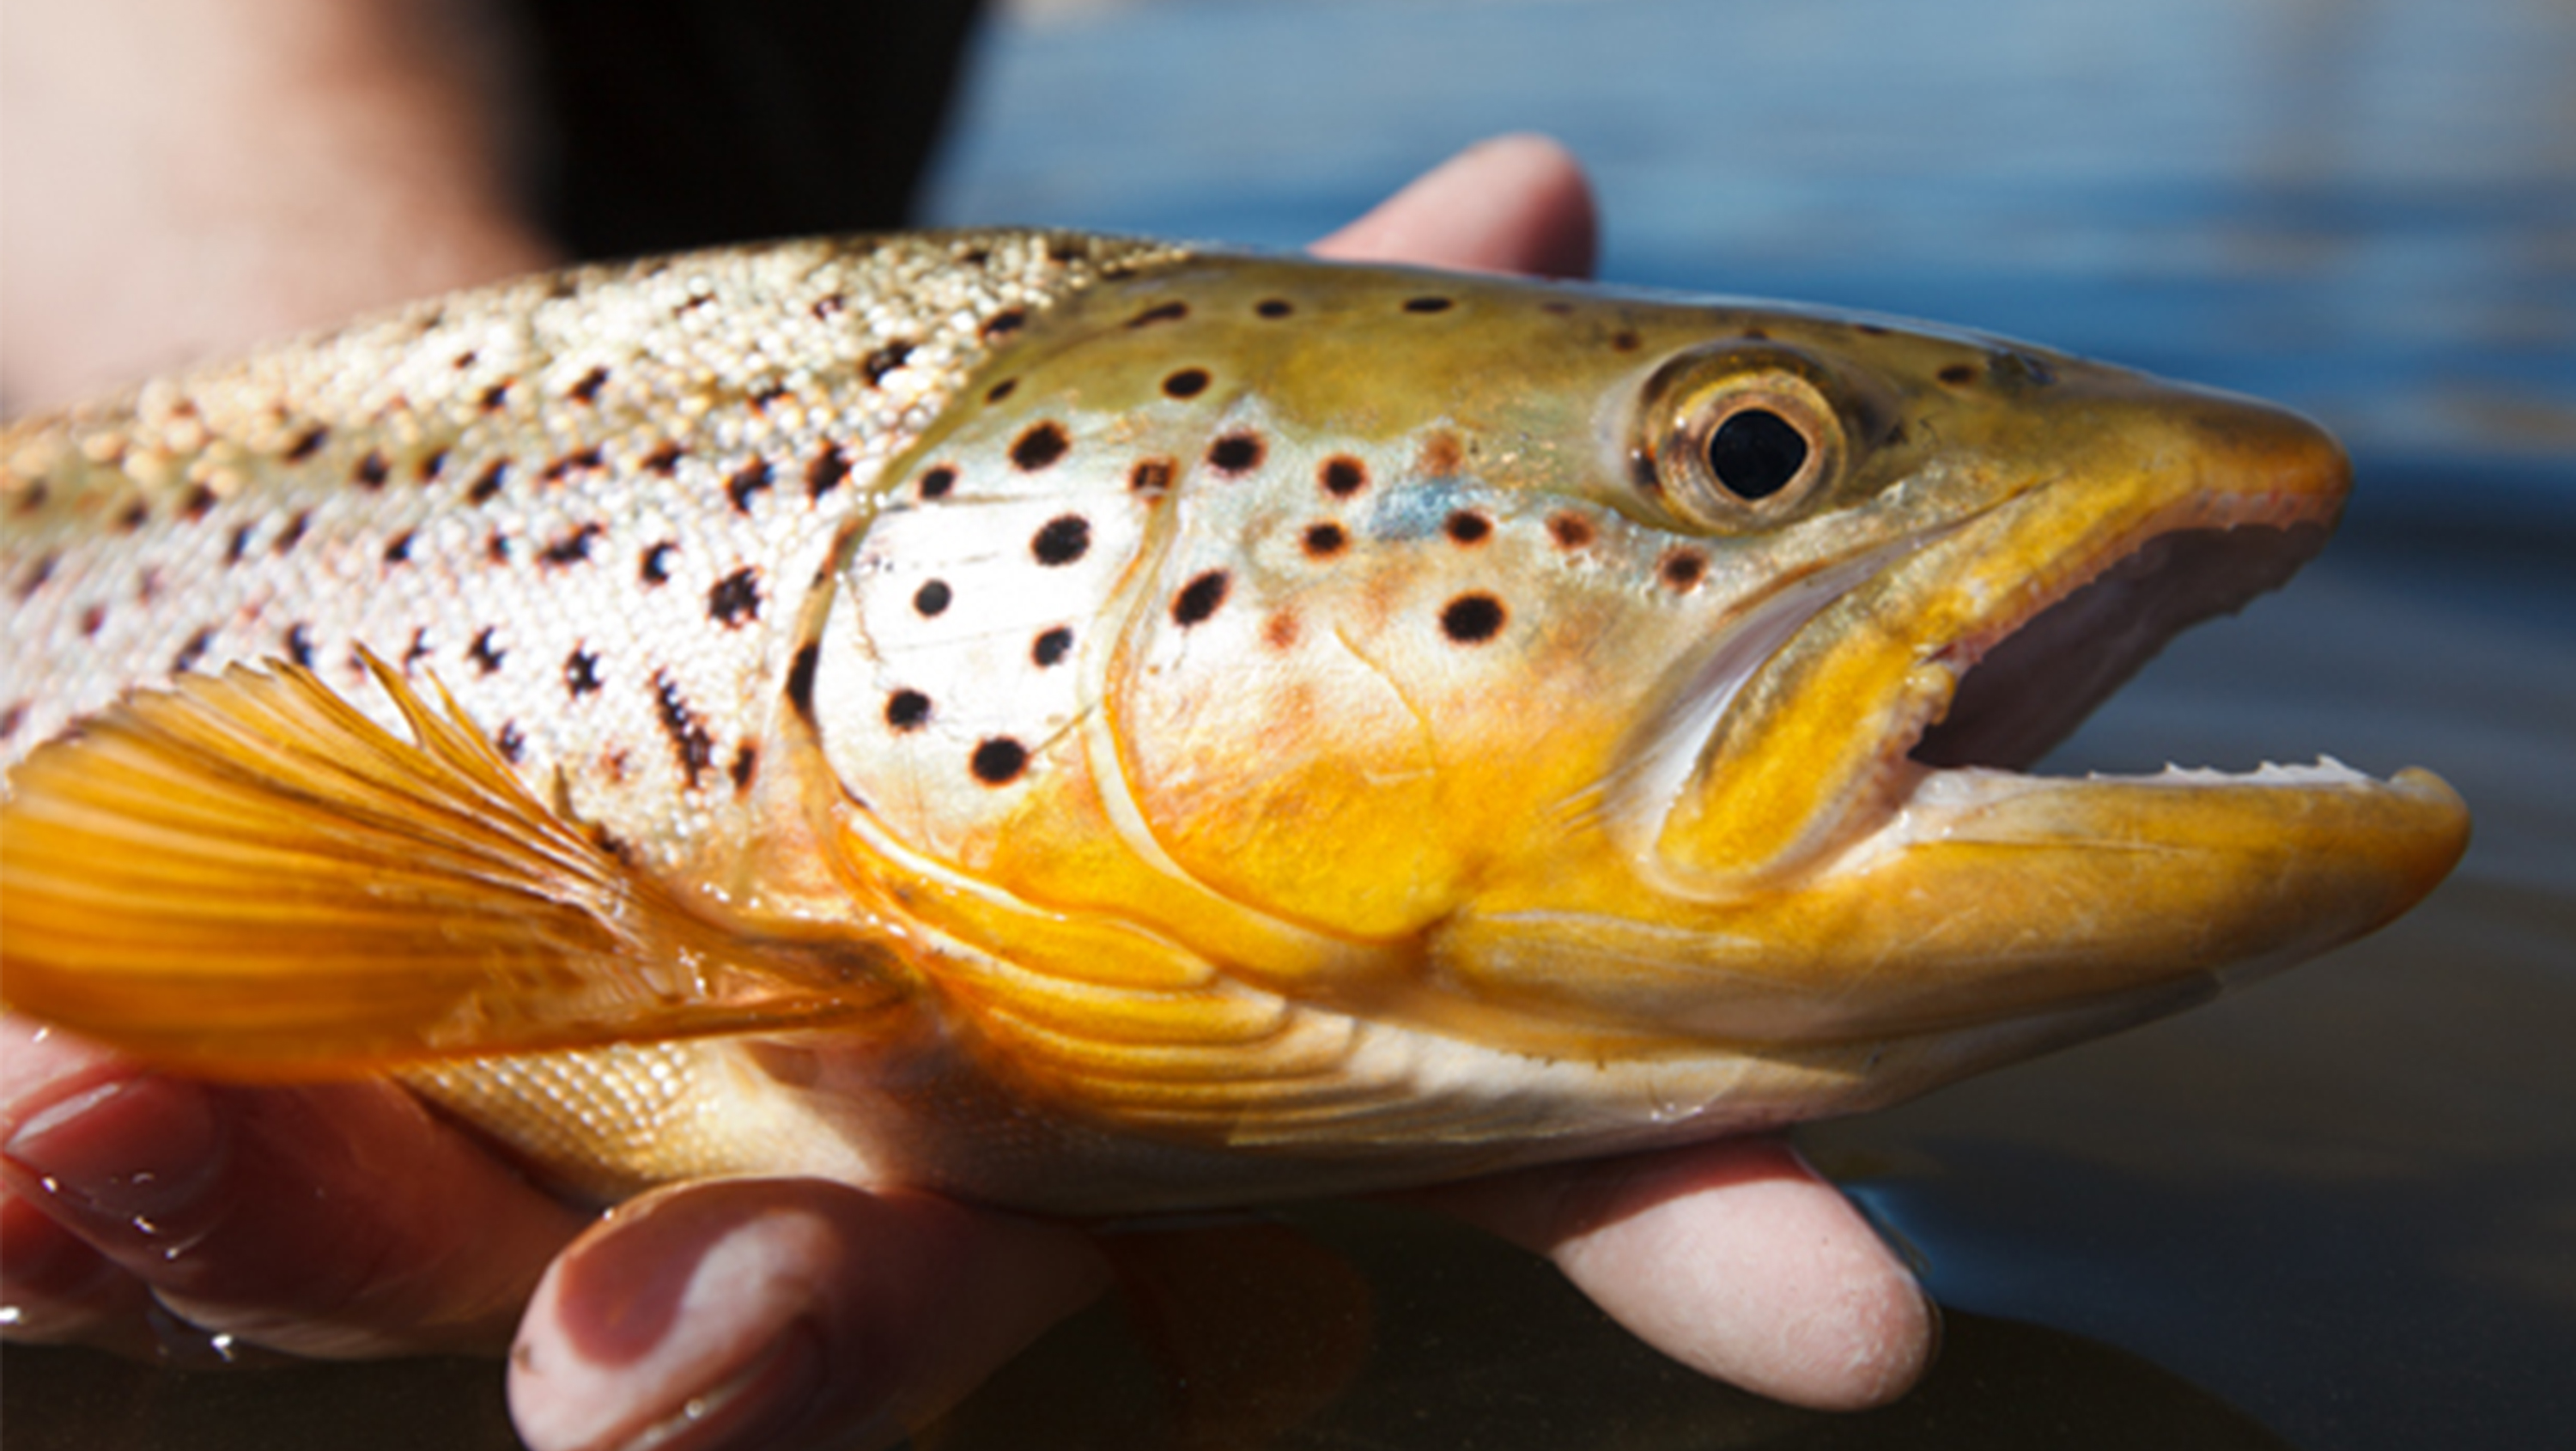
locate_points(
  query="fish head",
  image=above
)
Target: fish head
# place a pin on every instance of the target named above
(1608, 674)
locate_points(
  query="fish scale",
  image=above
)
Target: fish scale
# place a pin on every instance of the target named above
(1099, 726)
(586, 505)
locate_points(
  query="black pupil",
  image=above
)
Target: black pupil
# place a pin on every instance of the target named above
(1756, 452)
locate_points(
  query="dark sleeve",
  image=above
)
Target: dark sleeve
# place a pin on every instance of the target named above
(668, 124)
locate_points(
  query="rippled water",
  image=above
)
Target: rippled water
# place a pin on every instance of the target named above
(2338, 1210)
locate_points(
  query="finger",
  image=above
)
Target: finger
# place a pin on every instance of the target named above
(56, 1290)
(1512, 204)
(332, 1220)
(1733, 1258)
(773, 1312)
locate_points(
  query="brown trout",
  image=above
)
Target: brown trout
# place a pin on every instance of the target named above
(1095, 726)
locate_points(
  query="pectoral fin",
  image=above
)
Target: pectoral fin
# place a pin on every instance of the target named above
(244, 874)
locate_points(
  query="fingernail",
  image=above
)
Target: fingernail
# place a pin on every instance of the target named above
(125, 1162)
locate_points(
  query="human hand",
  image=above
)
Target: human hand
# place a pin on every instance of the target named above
(348, 1220)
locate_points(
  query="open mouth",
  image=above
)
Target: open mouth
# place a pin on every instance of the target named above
(2023, 690)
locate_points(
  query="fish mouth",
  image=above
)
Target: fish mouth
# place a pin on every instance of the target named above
(1864, 799)
(2025, 684)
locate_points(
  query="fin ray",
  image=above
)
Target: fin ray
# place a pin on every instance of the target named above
(245, 874)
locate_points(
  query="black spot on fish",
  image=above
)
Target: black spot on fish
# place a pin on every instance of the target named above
(1323, 541)
(1428, 304)
(1570, 530)
(1683, 569)
(825, 473)
(664, 459)
(1052, 647)
(430, 466)
(487, 656)
(1041, 445)
(1472, 619)
(1468, 527)
(239, 544)
(463, 360)
(1199, 598)
(33, 497)
(800, 679)
(1625, 341)
(587, 390)
(656, 568)
(307, 444)
(193, 651)
(91, 619)
(1160, 312)
(932, 598)
(827, 307)
(496, 397)
(1066, 538)
(1151, 476)
(746, 764)
(1958, 375)
(588, 458)
(399, 551)
(299, 645)
(1008, 320)
(766, 395)
(371, 471)
(999, 761)
(489, 482)
(1343, 476)
(885, 360)
(135, 516)
(293, 534)
(11, 719)
(418, 650)
(37, 576)
(1187, 383)
(936, 483)
(735, 598)
(750, 479)
(907, 710)
(690, 743)
(199, 500)
(509, 742)
(1235, 453)
(1274, 307)
(581, 672)
(1001, 390)
(573, 548)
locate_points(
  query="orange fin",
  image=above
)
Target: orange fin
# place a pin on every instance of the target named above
(242, 874)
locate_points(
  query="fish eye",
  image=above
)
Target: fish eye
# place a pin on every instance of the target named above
(1756, 453)
(1743, 438)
